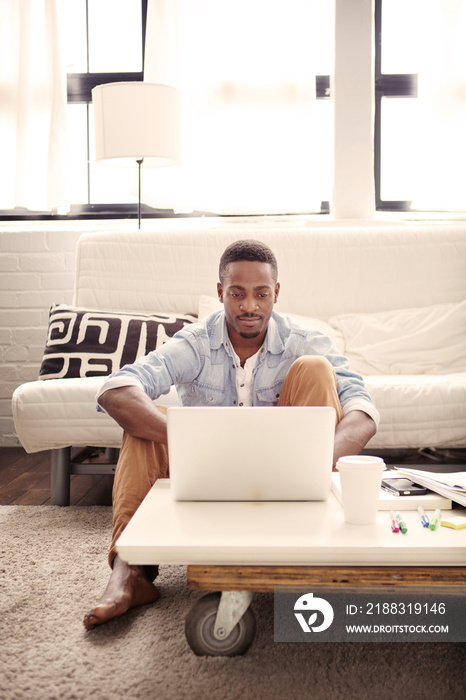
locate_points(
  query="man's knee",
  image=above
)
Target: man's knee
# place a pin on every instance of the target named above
(313, 367)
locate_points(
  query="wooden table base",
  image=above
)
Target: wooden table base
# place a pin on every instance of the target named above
(266, 578)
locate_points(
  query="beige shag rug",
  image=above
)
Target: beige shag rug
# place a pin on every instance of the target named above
(52, 569)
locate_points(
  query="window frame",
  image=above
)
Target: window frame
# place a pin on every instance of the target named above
(387, 85)
(79, 91)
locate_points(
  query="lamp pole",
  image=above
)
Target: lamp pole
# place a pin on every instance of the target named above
(139, 162)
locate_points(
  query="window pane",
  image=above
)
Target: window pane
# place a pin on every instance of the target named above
(115, 185)
(401, 35)
(400, 118)
(322, 35)
(324, 147)
(76, 119)
(75, 40)
(115, 36)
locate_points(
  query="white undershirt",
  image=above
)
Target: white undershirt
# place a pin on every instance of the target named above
(244, 378)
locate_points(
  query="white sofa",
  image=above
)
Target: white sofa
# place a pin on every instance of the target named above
(392, 297)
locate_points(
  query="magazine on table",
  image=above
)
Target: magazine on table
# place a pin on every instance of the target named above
(448, 484)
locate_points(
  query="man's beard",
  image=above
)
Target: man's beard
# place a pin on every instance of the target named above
(248, 336)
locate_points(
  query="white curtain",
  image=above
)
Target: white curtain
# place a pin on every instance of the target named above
(33, 142)
(440, 166)
(251, 137)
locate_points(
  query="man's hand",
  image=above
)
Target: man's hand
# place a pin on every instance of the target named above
(352, 434)
(136, 413)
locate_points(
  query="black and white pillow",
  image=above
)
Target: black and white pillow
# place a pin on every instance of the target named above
(91, 343)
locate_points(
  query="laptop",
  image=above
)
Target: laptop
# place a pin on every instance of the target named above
(250, 453)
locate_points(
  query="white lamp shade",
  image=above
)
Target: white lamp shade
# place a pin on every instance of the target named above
(137, 120)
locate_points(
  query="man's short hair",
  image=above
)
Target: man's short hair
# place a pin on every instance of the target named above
(253, 251)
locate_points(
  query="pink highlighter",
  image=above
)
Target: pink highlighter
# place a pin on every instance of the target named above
(394, 522)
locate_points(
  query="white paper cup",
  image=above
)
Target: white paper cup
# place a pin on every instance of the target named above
(360, 477)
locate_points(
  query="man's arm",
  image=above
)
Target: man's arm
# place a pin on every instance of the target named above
(135, 412)
(352, 434)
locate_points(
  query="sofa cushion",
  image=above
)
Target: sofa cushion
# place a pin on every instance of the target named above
(62, 412)
(89, 343)
(416, 411)
(413, 341)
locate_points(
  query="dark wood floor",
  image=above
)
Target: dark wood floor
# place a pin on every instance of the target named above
(25, 481)
(25, 478)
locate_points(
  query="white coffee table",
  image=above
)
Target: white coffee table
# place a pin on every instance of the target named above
(242, 548)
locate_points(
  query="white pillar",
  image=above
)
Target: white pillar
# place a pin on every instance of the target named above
(353, 93)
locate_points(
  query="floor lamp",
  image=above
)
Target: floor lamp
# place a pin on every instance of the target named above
(137, 122)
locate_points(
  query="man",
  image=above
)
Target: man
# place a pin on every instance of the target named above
(242, 355)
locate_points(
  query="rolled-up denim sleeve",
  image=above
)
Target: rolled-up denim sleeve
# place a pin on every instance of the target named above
(115, 382)
(365, 406)
(177, 361)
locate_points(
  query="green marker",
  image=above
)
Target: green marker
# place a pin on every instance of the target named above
(435, 519)
(403, 527)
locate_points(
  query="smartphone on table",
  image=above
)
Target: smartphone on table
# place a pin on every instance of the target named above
(399, 486)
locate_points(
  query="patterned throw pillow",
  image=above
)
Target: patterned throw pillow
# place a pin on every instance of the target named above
(91, 343)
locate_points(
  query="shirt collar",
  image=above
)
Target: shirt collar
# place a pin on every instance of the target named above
(273, 342)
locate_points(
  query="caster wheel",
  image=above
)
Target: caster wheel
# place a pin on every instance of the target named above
(199, 630)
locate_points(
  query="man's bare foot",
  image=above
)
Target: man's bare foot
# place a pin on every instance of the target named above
(128, 587)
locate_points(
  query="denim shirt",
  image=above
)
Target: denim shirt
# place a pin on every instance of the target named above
(199, 360)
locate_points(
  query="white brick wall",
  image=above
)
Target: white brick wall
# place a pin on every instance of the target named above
(36, 269)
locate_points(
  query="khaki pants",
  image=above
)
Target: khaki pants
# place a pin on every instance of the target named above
(310, 381)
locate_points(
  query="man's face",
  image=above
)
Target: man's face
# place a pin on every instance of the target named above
(248, 293)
